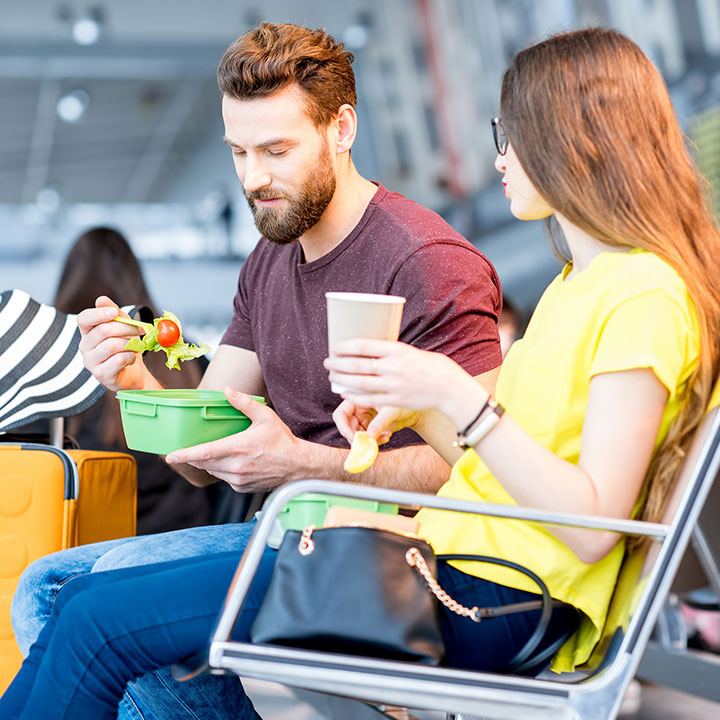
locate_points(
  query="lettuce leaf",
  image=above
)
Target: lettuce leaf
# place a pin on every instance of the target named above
(177, 353)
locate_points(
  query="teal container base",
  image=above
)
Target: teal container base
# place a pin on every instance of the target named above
(161, 421)
(310, 509)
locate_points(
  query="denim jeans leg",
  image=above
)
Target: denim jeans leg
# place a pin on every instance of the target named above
(156, 696)
(176, 545)
(128, 710)
(41, 581)
(109, 627)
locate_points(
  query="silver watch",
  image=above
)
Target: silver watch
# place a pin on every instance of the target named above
(481, 427)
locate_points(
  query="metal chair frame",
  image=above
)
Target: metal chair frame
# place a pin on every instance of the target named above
(458, 693)
(669, 659)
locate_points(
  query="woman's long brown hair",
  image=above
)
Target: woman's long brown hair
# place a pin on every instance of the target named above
(592, 124)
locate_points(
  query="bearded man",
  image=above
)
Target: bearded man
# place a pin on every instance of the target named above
(288, 104)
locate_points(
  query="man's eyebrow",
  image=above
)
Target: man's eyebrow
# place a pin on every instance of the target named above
(266, 144)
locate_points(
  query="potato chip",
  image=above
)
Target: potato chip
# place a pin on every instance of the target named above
(363, 451)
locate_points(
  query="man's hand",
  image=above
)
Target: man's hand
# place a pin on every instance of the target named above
(258, 459)
(103, 349)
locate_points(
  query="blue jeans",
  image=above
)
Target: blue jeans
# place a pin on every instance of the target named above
(490, 645)
(154, 696)
(110, 627)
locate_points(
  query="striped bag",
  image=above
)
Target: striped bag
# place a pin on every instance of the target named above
(42, 375)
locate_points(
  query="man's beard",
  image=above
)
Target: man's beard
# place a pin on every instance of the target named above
(305, 208)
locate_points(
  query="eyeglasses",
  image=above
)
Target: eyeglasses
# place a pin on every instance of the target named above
(499, 136)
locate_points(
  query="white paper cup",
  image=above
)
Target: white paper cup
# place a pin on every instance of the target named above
(362, 315)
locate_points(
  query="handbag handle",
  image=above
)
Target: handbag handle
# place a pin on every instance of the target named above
(476, 614)
(415, 559)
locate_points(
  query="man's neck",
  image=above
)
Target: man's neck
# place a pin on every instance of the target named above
(352, 195)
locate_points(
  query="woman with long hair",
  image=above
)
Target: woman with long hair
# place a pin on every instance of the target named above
(614, 373)
(602, 395)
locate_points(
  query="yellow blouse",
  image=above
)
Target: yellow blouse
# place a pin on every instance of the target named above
(626, 310)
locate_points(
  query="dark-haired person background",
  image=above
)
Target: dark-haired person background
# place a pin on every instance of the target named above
(101, 262)
(510, 324)
(288, 103)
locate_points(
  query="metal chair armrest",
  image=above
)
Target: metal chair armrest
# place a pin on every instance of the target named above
(278, 499)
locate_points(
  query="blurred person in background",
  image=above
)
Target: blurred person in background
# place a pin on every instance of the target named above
(509, 324)
(101, 262)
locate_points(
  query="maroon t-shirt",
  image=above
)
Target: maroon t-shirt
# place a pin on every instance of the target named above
(397, 248)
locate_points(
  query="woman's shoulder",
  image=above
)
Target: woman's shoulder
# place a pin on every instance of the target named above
(644, 265)
(642, 290)
(638, 272)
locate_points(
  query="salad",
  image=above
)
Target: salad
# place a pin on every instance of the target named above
(165, 333)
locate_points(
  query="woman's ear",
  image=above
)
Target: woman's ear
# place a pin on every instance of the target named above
(345, 127)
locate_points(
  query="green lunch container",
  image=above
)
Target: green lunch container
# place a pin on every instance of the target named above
(310, 509)
(160, 421)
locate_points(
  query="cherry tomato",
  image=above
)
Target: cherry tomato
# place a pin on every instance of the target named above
(167, 333)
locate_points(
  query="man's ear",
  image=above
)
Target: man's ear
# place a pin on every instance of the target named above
(345, 128)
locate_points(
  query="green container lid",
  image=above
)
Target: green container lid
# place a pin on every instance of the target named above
(310, 509)
(160, 421)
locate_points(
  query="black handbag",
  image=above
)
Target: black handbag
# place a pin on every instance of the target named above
(364, 591)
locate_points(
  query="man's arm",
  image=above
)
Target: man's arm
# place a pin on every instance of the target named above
(417, 468)
(234, 367)
(267, 454)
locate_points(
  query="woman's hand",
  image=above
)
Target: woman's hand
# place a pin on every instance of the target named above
(385, 375)
(349, 418)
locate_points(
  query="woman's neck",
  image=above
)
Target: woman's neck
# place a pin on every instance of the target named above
(584, 248)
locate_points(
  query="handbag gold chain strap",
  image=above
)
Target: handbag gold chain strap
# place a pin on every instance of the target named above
(416, 560)
(306, 544)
